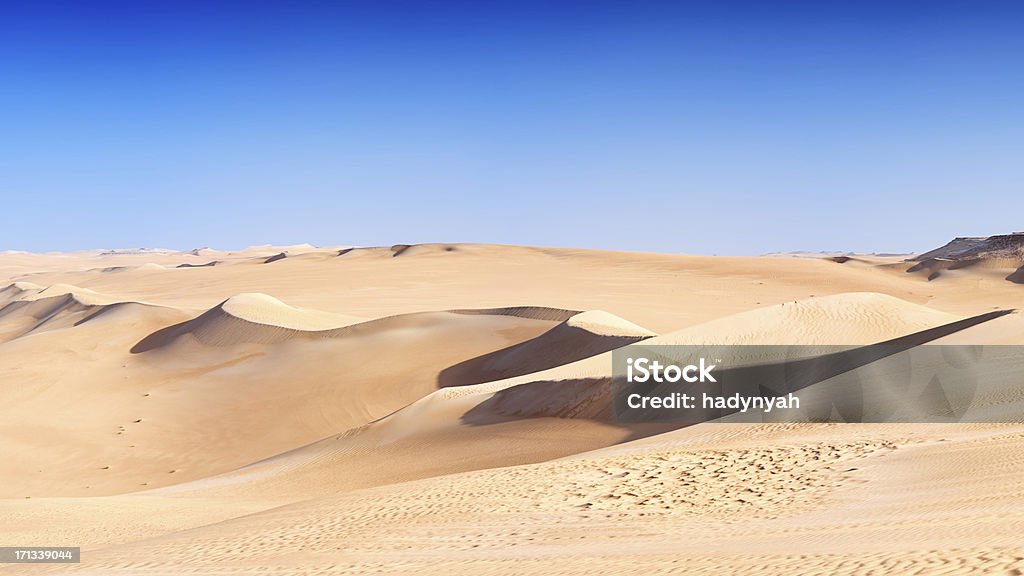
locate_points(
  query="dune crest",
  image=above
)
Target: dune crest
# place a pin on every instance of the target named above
(602, 323)
(265, 309)
(15, 289)
(841, 319)
(530, 312)
(31, 308)
(30, 292)
(255, 318)
(579, 336)
(248, 318)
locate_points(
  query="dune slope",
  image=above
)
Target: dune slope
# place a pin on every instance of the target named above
(443, 408)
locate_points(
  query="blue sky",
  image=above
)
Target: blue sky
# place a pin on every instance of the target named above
(714, 128)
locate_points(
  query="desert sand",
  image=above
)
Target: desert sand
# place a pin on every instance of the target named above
(442, 409)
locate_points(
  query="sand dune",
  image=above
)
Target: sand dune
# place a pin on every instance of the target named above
(27, 291)
(550, 413)
(853, 318)
(583, 389)
(387, 451)
(42, 313)
(16, 289)
(263, 319)
(848, 319)
(247, 318)
(580, 336)
(30, 308)
(443, 408)
(285, 386)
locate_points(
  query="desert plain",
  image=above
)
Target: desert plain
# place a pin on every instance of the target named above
(431, 409)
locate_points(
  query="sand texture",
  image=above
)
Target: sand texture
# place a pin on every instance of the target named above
(444, 409)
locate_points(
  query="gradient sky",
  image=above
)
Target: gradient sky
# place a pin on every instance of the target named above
(715, 128)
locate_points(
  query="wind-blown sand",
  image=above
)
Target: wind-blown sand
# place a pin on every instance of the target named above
(444, 409)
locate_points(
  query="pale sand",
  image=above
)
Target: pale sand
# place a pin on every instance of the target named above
(441, 409)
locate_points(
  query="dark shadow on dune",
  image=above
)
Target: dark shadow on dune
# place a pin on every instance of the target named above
(527, 357)
(161, 337)
(588, 398)
(584, 398)
(934, 267)
(402, 249)
(13, 307)
(112, 308)
(1017, 277)
(208, 264)
(530, 312)
(275, 258)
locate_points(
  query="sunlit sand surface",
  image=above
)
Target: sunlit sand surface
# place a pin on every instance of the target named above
(442, 409)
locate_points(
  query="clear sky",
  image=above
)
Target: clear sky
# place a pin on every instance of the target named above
(703, 127)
